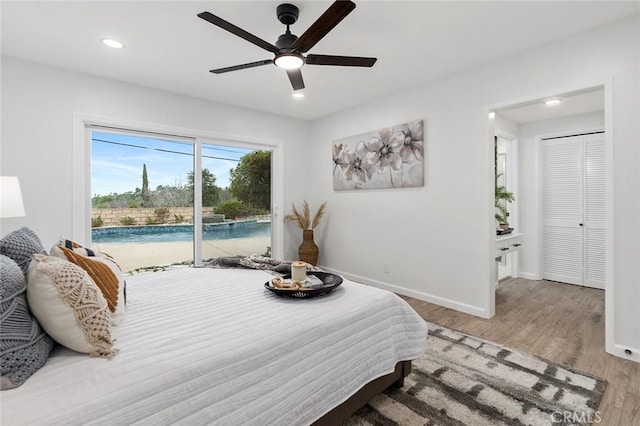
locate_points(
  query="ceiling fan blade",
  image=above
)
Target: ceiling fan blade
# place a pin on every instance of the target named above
(295, 77)
(242, 67)
(217, 21)
(325, 23)
(344, 61)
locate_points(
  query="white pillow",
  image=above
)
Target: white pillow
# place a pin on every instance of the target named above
(69, 306)
(102, 269)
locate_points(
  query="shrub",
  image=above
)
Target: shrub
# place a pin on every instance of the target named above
(97, 222)
(128, 220)
(151, 221)
(237, 209)
(162, 214)
(179, 218)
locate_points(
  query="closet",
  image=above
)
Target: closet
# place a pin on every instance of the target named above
(573, 209)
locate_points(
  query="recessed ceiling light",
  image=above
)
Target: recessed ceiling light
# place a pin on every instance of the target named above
(551, 102)
(298, 95)
(112, 43)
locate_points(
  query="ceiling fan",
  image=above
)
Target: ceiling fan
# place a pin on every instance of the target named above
(289, 49)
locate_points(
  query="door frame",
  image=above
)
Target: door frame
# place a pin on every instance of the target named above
(607, 85)
(511, 265)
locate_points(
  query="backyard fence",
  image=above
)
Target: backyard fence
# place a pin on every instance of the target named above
(143, 216)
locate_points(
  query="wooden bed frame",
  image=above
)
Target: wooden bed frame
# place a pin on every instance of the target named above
(365, 394)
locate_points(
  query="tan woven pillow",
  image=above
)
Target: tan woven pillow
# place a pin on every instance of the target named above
(102, 269)
(69, 306)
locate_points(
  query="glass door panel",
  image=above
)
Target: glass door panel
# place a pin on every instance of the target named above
(142, 202)
(236, 201)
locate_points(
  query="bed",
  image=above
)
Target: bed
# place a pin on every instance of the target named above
(213, 346)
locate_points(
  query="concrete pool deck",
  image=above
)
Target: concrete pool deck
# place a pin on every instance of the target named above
(131, 256)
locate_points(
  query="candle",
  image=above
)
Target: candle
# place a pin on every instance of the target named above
(299, 271)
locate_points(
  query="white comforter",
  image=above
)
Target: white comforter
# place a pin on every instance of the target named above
(205, 346)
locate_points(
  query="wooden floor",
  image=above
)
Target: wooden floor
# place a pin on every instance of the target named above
(559, 322)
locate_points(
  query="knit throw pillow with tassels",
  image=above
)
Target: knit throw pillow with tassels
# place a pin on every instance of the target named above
(102, 269)
(69, 306)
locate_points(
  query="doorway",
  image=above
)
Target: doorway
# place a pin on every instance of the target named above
(506, 178)
(533, 121)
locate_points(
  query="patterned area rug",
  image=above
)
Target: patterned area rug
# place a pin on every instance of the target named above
(463, 380)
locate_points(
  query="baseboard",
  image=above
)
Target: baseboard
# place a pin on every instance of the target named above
(528, 275)
(437, 300)
(621, 351)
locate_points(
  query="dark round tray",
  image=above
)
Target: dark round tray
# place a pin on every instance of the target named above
(331, 281)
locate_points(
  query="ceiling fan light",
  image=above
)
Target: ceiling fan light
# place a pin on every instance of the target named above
(289, 61)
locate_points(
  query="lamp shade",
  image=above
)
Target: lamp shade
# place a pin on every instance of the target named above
(10, 197)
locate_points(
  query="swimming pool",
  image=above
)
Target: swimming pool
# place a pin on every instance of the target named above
(171, 233)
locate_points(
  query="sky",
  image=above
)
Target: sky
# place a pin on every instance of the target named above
(116, 163)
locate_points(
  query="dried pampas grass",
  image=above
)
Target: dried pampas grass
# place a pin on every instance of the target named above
(303, 218)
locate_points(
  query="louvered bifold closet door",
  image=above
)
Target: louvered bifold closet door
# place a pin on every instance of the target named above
(562, 191)
(594, 210)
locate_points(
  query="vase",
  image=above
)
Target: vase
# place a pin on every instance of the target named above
(308, 251)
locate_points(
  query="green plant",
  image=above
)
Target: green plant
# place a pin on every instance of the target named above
(162, 214)
(236, 208)
(151, 221)
(178, 218)
(502, 197)
(128, 221)
(251, 179)
(97, 222)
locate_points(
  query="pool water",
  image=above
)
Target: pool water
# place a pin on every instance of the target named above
(172, 233)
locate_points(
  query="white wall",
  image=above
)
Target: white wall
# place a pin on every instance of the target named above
(38, 106)
(529, 174)
(437, 239)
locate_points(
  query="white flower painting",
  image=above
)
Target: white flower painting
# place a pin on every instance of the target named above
(392, 157)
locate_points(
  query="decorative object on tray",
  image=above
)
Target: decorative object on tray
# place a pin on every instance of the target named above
(308, 250)
(392, 157)
(502, 231)
(315, 284)
(299, 271)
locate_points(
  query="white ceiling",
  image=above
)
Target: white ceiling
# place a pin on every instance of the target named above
(571, 104)
(169, 48)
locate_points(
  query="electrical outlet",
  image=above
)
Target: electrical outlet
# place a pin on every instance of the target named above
(385, 268)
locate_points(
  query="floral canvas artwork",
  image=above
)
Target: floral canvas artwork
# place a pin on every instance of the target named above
(392, 157)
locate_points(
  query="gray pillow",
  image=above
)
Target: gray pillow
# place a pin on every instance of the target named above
(24, 346)
(20, 245)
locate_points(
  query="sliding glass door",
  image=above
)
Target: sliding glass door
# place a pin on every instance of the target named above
(161, 201)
